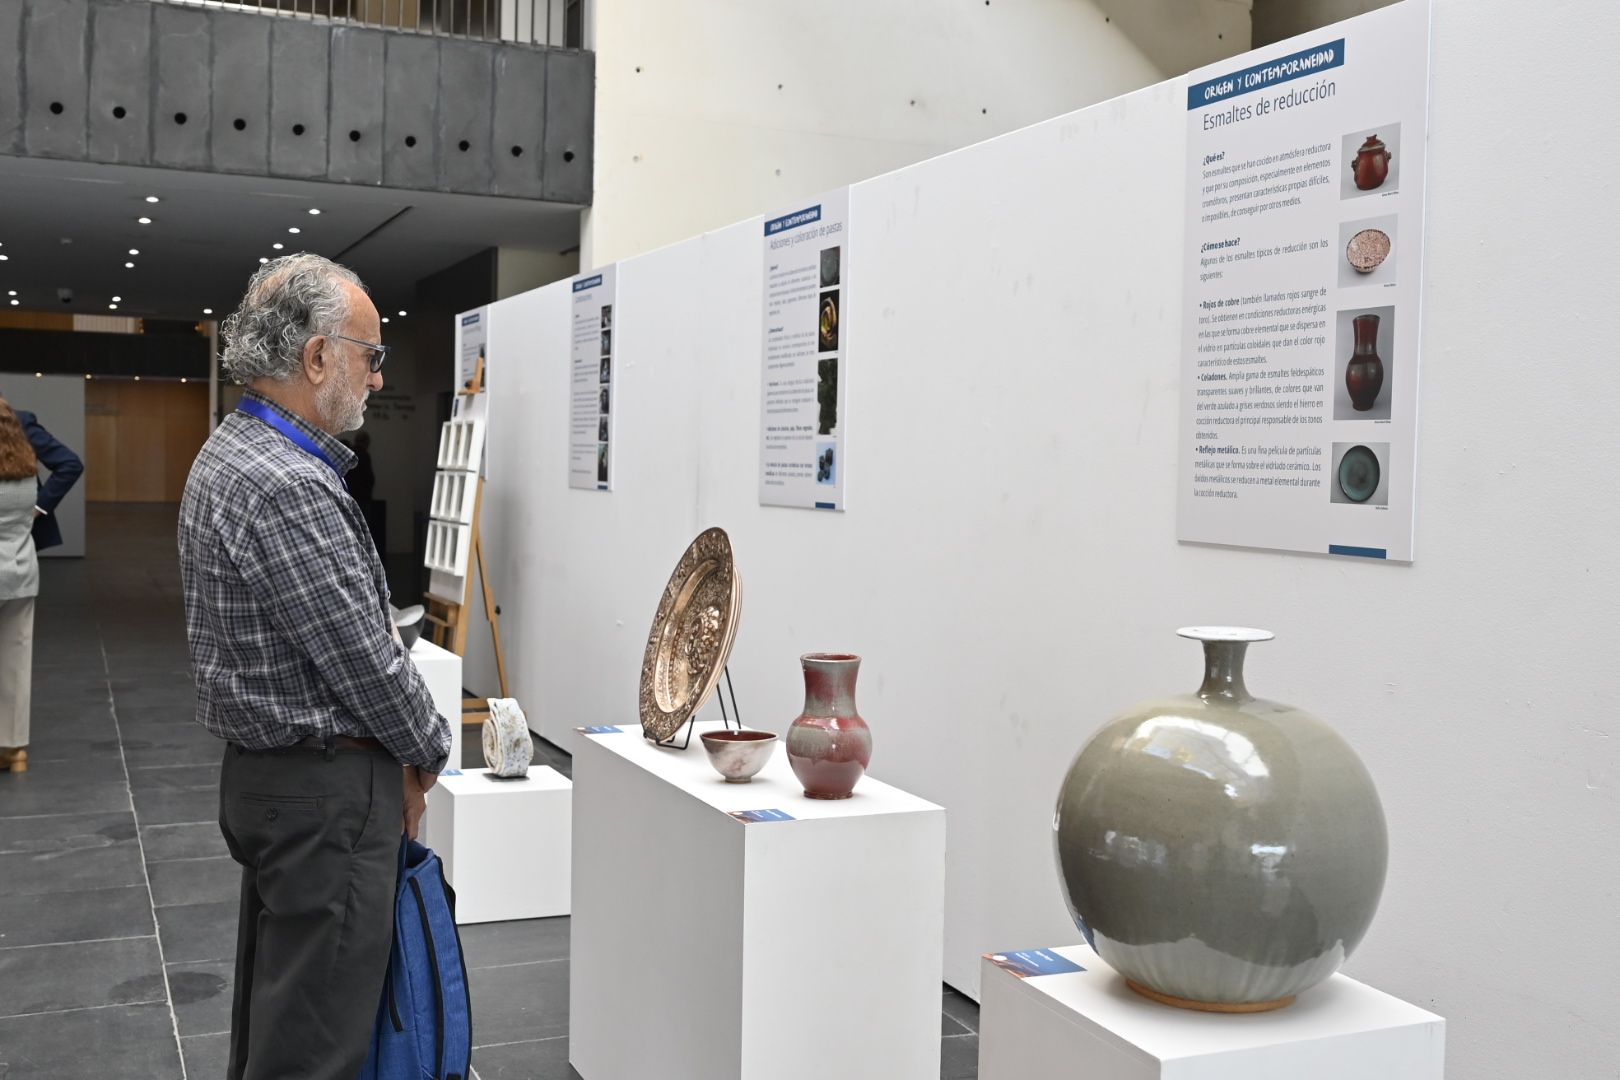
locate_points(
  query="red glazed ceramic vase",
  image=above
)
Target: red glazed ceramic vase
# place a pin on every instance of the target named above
(1364, 376)
(829, 745)
(1371, 166)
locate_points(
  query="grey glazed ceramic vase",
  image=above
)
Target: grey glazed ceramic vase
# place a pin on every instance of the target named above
(1220, 851)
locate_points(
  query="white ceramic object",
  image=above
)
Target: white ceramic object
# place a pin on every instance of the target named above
(738, 755)
(508, 747)
(461, 445)
(447, 547)
(453, 496)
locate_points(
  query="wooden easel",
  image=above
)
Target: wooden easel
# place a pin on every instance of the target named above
(447, 625)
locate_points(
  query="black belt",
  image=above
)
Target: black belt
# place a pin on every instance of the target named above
(341, 742)
(322, 742)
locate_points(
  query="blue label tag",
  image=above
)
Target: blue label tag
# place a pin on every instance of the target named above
(599, 729)
(761, 815)
(1027, 963)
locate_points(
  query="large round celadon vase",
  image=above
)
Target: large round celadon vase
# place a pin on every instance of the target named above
(1220, 851)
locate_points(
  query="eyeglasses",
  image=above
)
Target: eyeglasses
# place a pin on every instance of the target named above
(377, 354)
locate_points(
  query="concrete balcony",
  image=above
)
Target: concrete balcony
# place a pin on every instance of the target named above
(212, 89)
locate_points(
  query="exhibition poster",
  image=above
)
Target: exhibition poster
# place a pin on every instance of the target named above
(591, 403)
(1304, 259)
(472, 334)
(801, 425)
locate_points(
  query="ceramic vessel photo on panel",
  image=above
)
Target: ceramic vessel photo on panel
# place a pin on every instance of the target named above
(1370, 162)
(827, 395)
(1360, 475)
(607, 316)
(1363, 371)
(827, 463)
(607, 342)
(827, 322)
(829, 267)
(1366, 252)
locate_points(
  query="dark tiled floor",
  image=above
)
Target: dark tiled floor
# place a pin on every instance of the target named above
(117, 898)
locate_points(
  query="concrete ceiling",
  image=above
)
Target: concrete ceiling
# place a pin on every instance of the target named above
(1179, 35)
(71, 224)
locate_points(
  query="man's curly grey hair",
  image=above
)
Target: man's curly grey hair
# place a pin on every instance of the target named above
(289, 301)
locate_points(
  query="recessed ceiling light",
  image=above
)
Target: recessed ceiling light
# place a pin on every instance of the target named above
(14, 303)
(112, 307)
(385, 318)
(314, 210)
(87, 375)
(11, 292)
(294, 230)
(5, 258)
(182, 378)
(144, 220)
(134, 251)
(208, 311)
(129, 266)
(152, 198)
(39, 374)
(402, 314)
(263, 260)
(137, 378)
(118, 299)
(276, 246)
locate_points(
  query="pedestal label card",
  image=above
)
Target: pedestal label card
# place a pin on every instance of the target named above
(1028, 963)
(1304, 260)
(751, 816)
(591, 383)
(600, 729)
(802, 393)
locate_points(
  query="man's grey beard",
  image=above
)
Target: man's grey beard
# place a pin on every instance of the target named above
(339, 412)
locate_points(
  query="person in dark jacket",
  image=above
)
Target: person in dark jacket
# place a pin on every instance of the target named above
(65, 469)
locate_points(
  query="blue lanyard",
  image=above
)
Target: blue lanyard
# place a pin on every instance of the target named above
(300, 438)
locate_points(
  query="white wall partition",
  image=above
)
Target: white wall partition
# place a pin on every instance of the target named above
(1008, 563)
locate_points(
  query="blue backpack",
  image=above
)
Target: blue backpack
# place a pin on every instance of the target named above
(424, 1023)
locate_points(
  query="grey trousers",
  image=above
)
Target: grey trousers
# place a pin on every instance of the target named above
(318, 838)
(16, 670)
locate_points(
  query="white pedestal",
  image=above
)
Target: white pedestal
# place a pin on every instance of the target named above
(441, 670)
(771, 950)
(505, 843)
(1091, 1024)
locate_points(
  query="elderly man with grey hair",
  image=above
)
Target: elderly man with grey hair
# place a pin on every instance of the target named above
(331, 735)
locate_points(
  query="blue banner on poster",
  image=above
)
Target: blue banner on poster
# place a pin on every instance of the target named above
(761, 815)
(792, 221)
(1028, 963)
(600, 729)
(1300, 65)
(588, 283)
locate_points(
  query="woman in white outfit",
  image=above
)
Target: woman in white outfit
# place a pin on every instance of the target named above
(19, 584)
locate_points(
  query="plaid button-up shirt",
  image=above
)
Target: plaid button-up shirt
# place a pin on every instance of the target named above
(286, 603)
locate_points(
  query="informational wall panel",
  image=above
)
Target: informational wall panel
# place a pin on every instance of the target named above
(1303, 270)
(591, 383)
(801, 403)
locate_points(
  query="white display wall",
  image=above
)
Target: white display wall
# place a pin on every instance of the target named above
(1008, 566)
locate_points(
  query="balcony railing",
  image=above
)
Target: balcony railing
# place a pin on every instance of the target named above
(525, 22)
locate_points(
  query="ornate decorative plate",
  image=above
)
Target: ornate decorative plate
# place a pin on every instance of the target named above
(691, 635)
